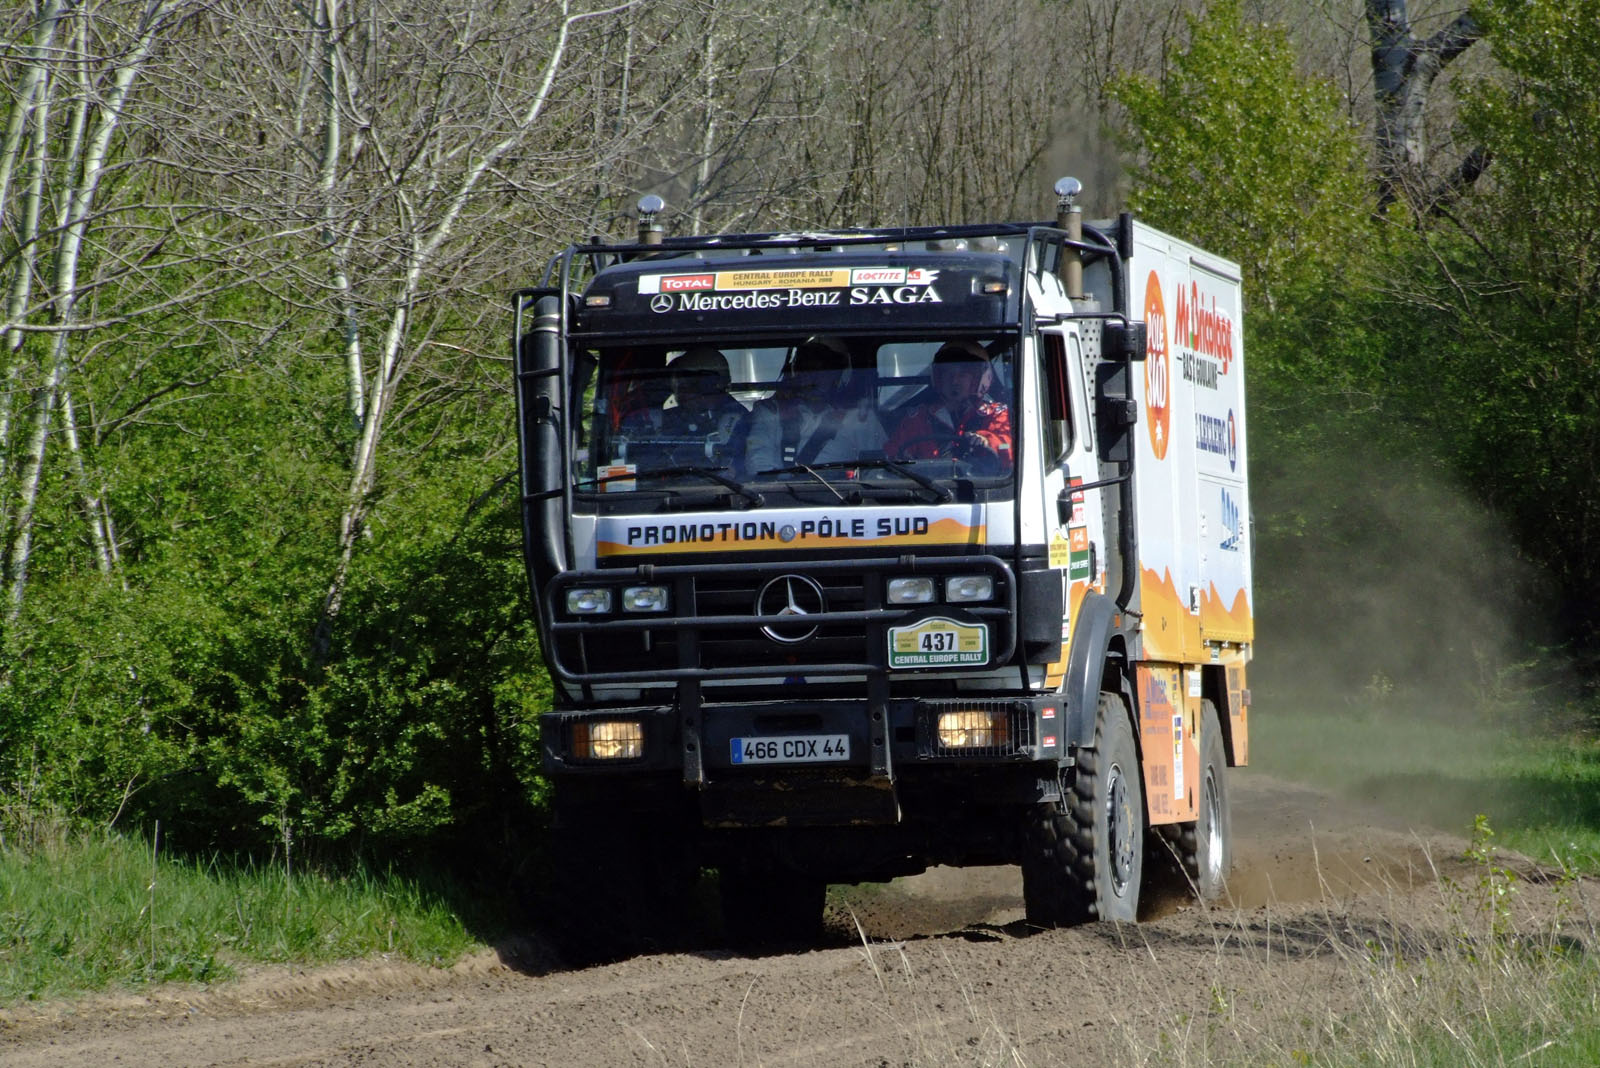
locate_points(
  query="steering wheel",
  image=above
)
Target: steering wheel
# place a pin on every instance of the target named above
(961, 449)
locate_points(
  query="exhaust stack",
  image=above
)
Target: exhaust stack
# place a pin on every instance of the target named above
(650, 206)
(1069, 217)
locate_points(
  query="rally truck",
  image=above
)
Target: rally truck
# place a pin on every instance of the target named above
(823, 670)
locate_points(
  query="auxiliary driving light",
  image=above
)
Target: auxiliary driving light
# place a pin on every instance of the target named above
(973, 728)
(589, 602)
(644, 599)
(910, 591)
(959, 588)
(612, 739)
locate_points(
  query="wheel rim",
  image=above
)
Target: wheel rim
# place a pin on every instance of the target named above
(1213, 839)
(1119, 828)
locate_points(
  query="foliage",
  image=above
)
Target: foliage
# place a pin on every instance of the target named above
(1242, 155)
(287, 642)
(1503, 359)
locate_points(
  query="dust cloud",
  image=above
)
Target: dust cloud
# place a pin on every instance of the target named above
(1398, 640)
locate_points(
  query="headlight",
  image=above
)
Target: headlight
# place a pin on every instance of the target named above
(644, 599)
(960, 588)
(973, 728)
(588, 602)
(910, 590)
(614, 739)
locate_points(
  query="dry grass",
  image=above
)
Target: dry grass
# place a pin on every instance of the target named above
(1489, 967)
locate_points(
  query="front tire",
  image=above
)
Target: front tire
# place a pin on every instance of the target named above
(1083, 857)
(768, 907)
(621, 887)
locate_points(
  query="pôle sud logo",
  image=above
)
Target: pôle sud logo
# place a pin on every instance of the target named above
(1157, 368)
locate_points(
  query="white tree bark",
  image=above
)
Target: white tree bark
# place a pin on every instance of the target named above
(27, 256)
(1404, 69)
(709, 108)
(36, 67)
(90, 170)
(331, 60)
(425, 235)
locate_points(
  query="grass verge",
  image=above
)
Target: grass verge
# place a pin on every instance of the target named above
(1502, 975)
(84, 913)
(1443, 766)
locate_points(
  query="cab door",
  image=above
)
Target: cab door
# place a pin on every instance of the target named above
(1075, 519)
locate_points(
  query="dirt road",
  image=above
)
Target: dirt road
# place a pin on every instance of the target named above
(946, 973)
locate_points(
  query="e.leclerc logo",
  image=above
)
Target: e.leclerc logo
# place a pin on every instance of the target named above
(1157, 368)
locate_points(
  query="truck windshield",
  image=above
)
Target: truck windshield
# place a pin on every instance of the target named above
(856, 417)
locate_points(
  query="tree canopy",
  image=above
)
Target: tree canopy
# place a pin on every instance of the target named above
(258, 544)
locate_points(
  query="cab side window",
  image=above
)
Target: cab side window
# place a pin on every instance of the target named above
(1057, 399)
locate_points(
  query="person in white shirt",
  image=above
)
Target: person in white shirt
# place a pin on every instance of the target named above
(812, 417)
(698, 424)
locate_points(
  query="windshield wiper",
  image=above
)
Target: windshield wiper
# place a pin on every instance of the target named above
(754, 499)
(942, 493)
(810, 469)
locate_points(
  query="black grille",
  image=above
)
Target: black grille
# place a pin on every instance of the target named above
(714, 627)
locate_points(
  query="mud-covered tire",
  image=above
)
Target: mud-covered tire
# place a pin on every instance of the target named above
(770, 907)
(1083, 858)
(618, 891)
(1195, 857)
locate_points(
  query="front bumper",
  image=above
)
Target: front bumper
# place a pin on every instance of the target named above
(894, 749)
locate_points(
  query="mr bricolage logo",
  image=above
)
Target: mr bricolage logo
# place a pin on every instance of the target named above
(1204, 336)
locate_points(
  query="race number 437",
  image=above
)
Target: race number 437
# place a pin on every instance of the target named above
(938, 642)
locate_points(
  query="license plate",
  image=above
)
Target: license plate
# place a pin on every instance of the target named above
(938, 642)
(792, 749)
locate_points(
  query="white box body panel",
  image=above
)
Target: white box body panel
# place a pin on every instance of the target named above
(1191, 478)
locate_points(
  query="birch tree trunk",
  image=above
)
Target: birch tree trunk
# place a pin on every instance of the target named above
(709, 105)
(29, 93)
(30, 119)
(62, 309)
(428, 222)
(1404, 69)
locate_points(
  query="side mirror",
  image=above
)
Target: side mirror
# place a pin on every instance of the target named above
(1124, 339)
(1115, 414)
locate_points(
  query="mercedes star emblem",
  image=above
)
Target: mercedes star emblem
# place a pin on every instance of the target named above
(790, 595)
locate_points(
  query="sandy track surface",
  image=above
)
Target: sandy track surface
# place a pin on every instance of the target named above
(946, 973)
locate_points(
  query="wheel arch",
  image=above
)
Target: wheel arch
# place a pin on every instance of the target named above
(1214, 688)
(1095, 663)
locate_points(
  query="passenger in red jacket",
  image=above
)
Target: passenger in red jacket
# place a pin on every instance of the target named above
(959, 421)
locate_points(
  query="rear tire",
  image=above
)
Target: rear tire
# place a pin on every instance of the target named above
(1197, 855)
(1083, 857)
(1213, 851)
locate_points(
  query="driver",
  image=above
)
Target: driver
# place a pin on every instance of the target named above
(959, 421)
